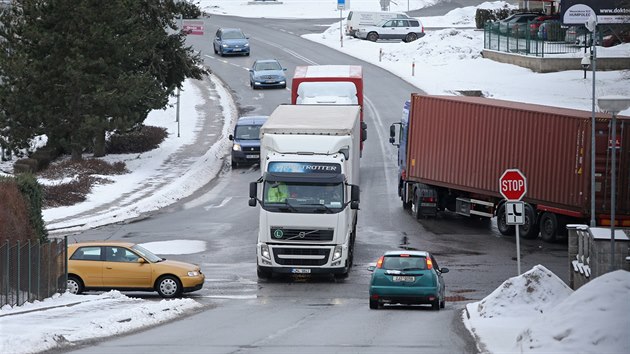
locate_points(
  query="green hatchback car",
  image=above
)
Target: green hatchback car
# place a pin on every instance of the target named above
(407, 277)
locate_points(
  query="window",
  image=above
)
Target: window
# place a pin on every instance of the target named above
(89, 253)
(401, 263)
(414, 24)
(120, 254)
(247, 132)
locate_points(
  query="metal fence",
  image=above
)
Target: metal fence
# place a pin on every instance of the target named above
(529, 40)
(31, 271)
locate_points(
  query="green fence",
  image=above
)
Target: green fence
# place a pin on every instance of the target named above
(529, 39)
(31, 271)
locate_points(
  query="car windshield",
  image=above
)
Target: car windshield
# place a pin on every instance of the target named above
(267, 65)
(247, 132)
(404, 263)
(145, 253)
(303, 197)
(233, 35)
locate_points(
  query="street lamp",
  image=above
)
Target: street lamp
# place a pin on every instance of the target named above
(613, 105)
(591, 25)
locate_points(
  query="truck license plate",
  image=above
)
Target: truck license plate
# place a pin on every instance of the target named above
(252, 156)
(300, 271)
(402, 278)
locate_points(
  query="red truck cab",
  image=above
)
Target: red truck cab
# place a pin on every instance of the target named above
(329, 84)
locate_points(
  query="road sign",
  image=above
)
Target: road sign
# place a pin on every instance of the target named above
(515, 213)
(193, 27)
(343, 4)
(513, 185)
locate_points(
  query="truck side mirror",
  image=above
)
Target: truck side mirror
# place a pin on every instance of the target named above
(392, 134)
(363, 131)
(230, 137)
(355, 193)
(253, 192)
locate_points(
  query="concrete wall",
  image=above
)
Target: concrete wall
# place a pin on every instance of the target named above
(589, 257)
(547, 65)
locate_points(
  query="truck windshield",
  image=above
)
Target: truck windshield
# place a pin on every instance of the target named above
(303, 197)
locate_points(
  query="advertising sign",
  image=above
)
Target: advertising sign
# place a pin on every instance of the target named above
(577, 12)
(194, 27)
(304, 167)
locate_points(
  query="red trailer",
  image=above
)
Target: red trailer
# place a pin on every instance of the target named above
(329, 84)
(453, 150)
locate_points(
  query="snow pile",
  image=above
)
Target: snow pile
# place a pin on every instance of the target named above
(463, 16)
(534, 292)
(594, 319)
(49, 324)
(537, 313)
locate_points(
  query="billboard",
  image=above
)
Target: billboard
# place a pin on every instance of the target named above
(577, 12)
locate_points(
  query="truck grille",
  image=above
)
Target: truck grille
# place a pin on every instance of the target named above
(298, 235)
(282, 256)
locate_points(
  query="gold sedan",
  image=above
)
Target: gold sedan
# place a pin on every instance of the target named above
(127, 266)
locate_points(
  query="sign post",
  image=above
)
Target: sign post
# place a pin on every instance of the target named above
(342, 5)
(513, 187)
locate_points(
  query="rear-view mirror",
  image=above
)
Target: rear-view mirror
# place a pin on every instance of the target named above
(253, 189)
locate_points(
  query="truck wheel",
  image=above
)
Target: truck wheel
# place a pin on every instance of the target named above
(502, 225)
(415, 206)
(374, 304)
(407, 202)
(372, 36)
(548, 227)
(530, 229)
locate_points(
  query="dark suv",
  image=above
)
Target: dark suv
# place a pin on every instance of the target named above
(246, 138)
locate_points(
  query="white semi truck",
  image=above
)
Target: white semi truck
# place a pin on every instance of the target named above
(309, 190)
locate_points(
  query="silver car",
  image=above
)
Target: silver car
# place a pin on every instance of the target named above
(267, 73)
(407, 30)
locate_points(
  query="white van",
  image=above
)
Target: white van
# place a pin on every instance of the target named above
(358, 19)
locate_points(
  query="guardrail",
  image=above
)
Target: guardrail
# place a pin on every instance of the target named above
(32, 271)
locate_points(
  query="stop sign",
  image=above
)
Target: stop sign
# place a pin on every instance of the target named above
(513, 185)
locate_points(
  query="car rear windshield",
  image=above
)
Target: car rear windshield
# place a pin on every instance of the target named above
(397, 262)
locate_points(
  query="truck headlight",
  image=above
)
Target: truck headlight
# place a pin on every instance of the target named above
(264, 252)
(337, 253)
(236, 147)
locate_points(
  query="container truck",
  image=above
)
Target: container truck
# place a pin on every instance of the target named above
(309, 190)
(329, 84)
(452, 151)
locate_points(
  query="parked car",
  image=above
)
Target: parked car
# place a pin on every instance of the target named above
(515, 25)
(358, 19)
(230, 41)
(577, 35)
(267, 73)
(408, 30)
(535, 24)
(126, 266)
(407, 277)
(246, 138)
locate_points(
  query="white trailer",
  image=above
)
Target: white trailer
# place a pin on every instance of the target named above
(309, 193)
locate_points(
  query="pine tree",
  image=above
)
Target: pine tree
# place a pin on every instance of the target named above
(78, 68)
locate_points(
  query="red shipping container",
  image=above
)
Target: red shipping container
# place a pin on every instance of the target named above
(466, 143)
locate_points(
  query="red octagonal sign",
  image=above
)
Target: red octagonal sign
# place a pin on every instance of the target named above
(513, 185)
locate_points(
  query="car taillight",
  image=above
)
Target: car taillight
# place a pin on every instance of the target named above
(422, 29)
(379, 263)
(429, 263)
